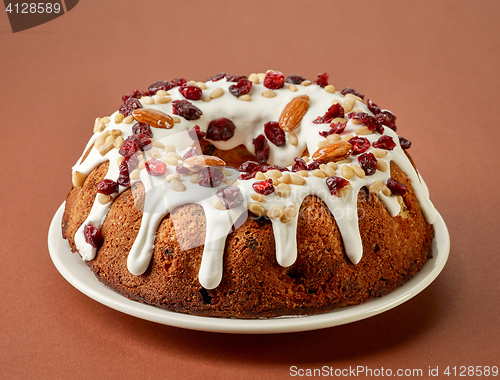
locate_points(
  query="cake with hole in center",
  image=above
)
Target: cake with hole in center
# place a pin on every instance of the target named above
(249, 197)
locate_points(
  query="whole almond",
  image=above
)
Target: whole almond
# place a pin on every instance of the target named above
(197, 163)
(335, 151)
(154, 118)
(293, 113)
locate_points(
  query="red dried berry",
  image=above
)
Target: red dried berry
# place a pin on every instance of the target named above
(196, 133)
(368, 163)
(241, 88)
(160, 85)
(130, 146)
(230, 196)
(265, 168)
(191, 91)
(156, 167)
(299, 164)
(136, 94)
(388, 119)
(123, 180)
(335, 183)
(405, 144)
(373, 107)
(234, 78)
(396, 187)
(359, 144)
(264, 187)
(384, 142)
(337, 128)
(367, 120)
(274, 80)
(179, 81)
(186, 109)
(322, 80)
(220, 129)
(210, 177)
(333, 112)
(93, 236)
(315, 164)
(261, 148)
(295, 79)
(142, 129)
(250, 167)
(245, 176)
(144, 142)
(128, 164)
(217, 77)
(274, 133)
(129, 106)
(107, 187)
(349, 90)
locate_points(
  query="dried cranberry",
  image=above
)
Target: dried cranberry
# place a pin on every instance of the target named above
(220, 129)
(190, 153)
(333, 112)
(210, 177)
(107, 187)
(373, 107)
(261, 148)
(130, 146)
(295, 79)
(315, 164)
(367, 120)
(396, 187)
(144, 142)
(274, 133)
(264, 187)
(123, 180)
(160, 85)
(299, 164)
(182, 170)
(349, 90)
(191, 91)
(217, 77)
(235, 78)
(136, 94)
(129, 106)
(335, 183)
(388, 119)
(244, 176)
(322, 80)
(196, 133)
(179, 81)
(230, 196)
(368, 163)
(142, 129)
(265, 168)
(249, 167)
(337, 128)
(359, 144)
(186, 109)
(156, 167)
(274, 80)
(128, 164)
(93, 236)
(384, 142)
(241, 88)
(405, 144)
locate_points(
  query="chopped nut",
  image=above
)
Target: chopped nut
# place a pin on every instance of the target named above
(119, 118)
(357, 170)
(217, 93)
(258, 197)
(292, 87)
(381, 165)
(283, 190)
(257, 209)
(346, 172)
(78, 179)
(329, 88)
(269, 94)
(376, 186)
(177, 185)
(103, 198)
(219, 205)
(275, 212)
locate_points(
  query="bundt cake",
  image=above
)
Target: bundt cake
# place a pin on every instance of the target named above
(249, 197)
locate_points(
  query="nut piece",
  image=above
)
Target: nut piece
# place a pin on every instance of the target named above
(197, 163)
(153, 117)
(335, 151)
(294, 112)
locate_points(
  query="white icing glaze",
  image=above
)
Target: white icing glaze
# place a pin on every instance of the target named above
(249, 118)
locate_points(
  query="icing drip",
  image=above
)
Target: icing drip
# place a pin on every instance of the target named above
(160, 197)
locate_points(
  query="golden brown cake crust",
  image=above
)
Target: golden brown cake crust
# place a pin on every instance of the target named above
(253, 283)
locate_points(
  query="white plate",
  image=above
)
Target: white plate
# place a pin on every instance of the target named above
(74, 270)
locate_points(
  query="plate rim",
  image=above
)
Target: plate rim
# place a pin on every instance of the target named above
(76, 272)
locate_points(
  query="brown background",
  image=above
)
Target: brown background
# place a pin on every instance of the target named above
(434, 64)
